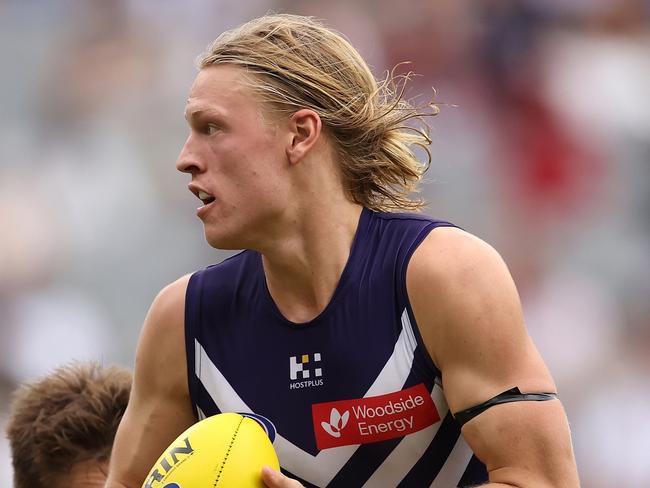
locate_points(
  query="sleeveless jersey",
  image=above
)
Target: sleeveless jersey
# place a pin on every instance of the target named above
(353, 396)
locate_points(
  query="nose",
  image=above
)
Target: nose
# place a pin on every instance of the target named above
(188, 160)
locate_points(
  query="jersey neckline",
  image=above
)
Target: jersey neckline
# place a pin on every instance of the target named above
(344, 280)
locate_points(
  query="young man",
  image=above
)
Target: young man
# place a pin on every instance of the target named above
(61, 427)
(366, 337)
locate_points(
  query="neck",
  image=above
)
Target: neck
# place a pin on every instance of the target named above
(304, 267)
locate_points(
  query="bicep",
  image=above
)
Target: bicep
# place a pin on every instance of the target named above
(159, 408)
(524, 444)
(471, 320)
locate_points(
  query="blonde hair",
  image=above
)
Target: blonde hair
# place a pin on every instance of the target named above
(300, 63)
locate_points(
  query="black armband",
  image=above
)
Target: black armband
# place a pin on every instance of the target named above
(512, 395)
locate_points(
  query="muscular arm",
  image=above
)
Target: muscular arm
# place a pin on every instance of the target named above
(159, 408)
(469, 315)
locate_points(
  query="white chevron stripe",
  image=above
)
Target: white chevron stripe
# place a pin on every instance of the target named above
(322, 468)
(398, 367)
(455, 465)
(436, 394)
(201, 414)
(406, 325)
(408, 451)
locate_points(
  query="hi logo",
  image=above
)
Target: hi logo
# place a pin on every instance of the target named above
(305, 371)
(298, 366)
(337, 422)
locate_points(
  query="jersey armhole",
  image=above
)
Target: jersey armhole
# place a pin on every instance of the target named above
(404, 268)
(192, 313)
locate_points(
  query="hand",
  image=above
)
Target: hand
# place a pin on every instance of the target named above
(275, 479)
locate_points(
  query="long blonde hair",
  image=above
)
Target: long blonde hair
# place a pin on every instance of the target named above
(300, 63)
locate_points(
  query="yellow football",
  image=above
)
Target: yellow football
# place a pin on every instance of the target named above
(223, 451)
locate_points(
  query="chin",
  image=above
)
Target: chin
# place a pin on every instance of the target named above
(223, 242)
(233, 234)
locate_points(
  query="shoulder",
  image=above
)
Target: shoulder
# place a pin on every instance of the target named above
(452, 258)
(461, 290)
(169, 303)
(162, 337)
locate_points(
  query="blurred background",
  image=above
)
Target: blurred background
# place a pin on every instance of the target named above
(542, 148)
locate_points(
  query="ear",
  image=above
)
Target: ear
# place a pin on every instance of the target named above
(305, 128)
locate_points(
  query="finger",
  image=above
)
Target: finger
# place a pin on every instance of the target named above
(275, 479)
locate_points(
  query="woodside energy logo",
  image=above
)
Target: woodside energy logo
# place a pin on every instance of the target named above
(373, 419)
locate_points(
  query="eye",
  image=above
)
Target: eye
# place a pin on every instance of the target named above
(210, 129)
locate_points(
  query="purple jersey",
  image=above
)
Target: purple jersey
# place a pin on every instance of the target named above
(353, 396)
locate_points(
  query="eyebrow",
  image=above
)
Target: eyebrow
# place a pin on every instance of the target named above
(194, 114)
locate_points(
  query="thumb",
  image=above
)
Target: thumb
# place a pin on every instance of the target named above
(275, 479)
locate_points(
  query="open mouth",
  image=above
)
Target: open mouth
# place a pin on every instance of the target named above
(206, 198)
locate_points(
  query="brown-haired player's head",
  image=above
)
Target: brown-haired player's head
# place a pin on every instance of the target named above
(297, 63)
(62, 427)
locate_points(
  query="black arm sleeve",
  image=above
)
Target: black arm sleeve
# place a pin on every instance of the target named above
(512, 395)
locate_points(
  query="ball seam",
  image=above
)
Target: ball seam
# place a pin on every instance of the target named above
(225, 458)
